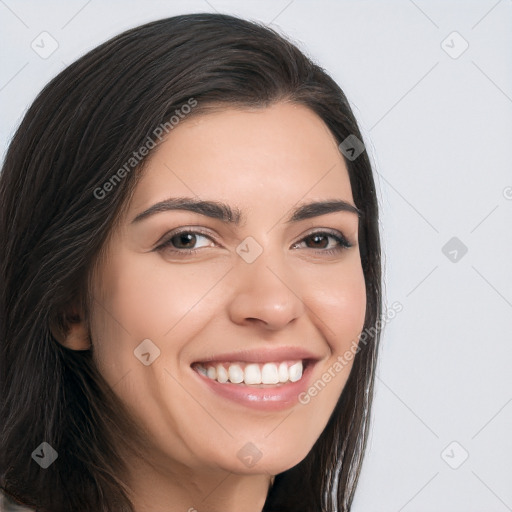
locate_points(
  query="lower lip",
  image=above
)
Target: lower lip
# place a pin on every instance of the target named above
(272, 398)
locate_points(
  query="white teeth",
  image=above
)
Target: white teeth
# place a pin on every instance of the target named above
(295, 372)
(269, 374)
(283, 372)
(253, 373)
(222, 374)
(236, 374)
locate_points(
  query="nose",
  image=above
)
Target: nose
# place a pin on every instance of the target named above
(265, 294)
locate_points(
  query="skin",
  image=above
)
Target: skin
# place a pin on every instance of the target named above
(265, 162)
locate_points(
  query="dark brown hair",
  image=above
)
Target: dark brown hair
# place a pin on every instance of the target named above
(79, 131)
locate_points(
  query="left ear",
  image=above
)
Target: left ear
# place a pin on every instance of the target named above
(71, 331)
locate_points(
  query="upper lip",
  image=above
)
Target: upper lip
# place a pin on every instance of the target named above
(263, 355)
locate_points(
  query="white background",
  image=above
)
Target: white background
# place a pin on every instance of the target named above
(439, 131)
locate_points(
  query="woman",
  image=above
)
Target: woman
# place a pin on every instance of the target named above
(191, 279)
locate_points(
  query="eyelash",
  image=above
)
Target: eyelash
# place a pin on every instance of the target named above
(343, 243)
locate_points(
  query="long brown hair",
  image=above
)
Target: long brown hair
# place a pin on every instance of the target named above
(79, 131)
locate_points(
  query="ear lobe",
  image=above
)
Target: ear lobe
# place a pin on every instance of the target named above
(71, 331)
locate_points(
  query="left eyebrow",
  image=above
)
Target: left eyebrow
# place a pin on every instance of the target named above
(317, 208)
(225, 213)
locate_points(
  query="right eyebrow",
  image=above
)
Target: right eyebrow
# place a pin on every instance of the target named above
(213, 209)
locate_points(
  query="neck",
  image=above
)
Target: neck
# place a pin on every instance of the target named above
(182, 489)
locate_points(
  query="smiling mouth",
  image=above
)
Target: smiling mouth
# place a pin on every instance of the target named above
(269, 374)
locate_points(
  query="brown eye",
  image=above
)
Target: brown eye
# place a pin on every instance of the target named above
(183, 240)
(186, 242)
(322, 242)
(318, 241)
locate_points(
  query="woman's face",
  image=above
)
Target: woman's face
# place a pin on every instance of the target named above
(259, 295)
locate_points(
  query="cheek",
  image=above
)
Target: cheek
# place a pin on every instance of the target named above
(138, 299)
(348, 313)
(338, 301)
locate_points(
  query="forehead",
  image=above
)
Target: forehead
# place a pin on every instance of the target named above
(279, 154)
